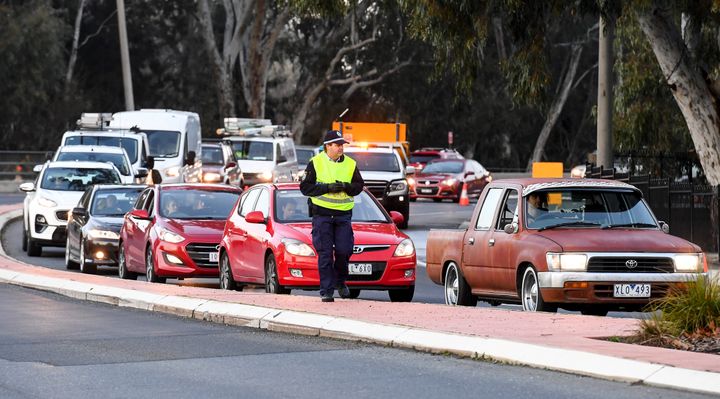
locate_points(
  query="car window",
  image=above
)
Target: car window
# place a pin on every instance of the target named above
(141, 199)
(291, 206)
(444, 167)
(77, 179)
(197, 203)
(508, 210)
(163, 143)
(423, 158)
(212, 156)
(84, 200)
(303, 156)
(487, 212)
(263, 202)
(150, 203)
(253, 150)
(376, 161)
(114, 202)
(130, 145)
(248, 202)
(118, 160)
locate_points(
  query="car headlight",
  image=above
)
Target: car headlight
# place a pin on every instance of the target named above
(411, 181)
(296, 247)
(266, 175)
(169, 236)
(566, 262)
(405, 248)
(688, 262)
(47, 203)
(172, 172)
(449, 182)
(211, 176)
(99, 234)
(398, 187)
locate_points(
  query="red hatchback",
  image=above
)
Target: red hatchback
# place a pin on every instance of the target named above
(174, 231)
(267, 242)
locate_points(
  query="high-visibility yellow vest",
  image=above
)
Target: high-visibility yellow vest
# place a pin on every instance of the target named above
(328, 172)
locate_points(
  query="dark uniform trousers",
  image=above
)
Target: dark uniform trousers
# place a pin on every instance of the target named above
(333, 239)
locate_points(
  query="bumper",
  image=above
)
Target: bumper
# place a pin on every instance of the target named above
(436, 191)
(194, 258)
(102, 252)
(598, 288)
(51, 232)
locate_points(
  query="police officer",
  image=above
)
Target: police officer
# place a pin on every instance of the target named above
(331, 181)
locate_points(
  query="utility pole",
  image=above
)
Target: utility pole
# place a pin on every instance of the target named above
(125, 57)
(605, 156)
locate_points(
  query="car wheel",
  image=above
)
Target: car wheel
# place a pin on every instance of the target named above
(272, 280)
(123, 271)
(226, 279)
(150, 273)
(24, 240)
(531, 297)
(457, 290)
(84, 266)
(594, 311)
(33, 249)
(354, 293)
(69, 263)
(402, 295)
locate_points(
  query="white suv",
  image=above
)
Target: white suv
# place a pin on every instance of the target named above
(100, 153)
(56, 191)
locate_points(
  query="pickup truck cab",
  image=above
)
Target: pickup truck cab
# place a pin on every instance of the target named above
(590, 245)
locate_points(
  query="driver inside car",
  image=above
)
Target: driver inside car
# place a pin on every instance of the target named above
(536, 207)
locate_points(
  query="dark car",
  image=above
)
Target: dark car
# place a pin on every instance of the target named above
(444, 178)
(421, 157)
(220, 166)
(93, 228)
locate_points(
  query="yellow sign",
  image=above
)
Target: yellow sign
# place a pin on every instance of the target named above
(547, 169)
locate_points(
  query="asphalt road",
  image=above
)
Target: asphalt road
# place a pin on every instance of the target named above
(56, 347)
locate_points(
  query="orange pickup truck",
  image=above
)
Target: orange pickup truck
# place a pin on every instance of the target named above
(589, 245)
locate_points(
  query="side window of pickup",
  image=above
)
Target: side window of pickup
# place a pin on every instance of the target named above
(509, 210)
(487, 212)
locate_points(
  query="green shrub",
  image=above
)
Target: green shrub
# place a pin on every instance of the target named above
(690, 310)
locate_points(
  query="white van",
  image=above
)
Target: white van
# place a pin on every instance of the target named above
(264, 152)
(174, 138)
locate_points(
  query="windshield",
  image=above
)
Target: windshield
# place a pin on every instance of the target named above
(253, 150)
(443, 167)
(591, 208)
(303, 156)
(116, 159)
(376, 161)
(422, 158)
(130, 145)
(77, 179)
(291, 206)
(197, 204)
(163, 143)
(114, 202)
(212, 156)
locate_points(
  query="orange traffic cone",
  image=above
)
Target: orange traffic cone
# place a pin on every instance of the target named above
(464, 200)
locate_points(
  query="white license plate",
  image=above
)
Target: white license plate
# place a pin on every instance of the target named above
(360, 268)
(425, 190)
(632, 291)
(213, 256)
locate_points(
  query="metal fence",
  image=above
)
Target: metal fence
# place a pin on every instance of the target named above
(691, 209)
(18, 165)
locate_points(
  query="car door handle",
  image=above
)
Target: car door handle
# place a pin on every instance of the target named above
(491, 242)
(471, 240)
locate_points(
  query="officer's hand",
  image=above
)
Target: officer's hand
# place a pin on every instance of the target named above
(336, 187)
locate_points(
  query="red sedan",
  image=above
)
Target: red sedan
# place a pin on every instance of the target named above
(267, 242)
(174, 231)
(444, 178)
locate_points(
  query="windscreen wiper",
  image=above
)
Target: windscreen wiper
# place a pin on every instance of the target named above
(576, 223)
(610, 226)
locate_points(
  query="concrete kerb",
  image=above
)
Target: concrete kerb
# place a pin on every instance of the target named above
(571, 361)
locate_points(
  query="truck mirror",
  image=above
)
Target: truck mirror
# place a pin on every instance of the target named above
(190, 159)
(664, 227)
(150, 162)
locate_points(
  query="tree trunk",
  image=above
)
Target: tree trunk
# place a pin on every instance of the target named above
(75, 46)
(223, 80)
(557, 105)
(690, 90)
(301, 113)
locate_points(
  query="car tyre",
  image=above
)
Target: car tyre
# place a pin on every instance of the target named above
(24, 240)
(33, 249)
(402, 295)
(272, 280)
(69, 263)
(150, 273)
(226, 279)
(123, 271)
(532, 300)
(354, 293)
(84, 266)
(457, 290)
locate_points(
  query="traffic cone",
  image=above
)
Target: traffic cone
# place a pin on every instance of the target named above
(464, 200)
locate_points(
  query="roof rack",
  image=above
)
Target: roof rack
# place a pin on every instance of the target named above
(94, 120)
(252, 127)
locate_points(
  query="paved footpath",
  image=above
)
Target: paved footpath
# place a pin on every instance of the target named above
(570, 343)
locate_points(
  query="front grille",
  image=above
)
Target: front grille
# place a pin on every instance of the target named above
(422, 182)
(378, 188)
(62, 215)
(618, 265)
(378, 268)
(200, 254)
(359, 249)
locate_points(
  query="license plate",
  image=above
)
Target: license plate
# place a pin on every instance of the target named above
(425, 190)
(360, 268)
(213, 256)
(632, 291)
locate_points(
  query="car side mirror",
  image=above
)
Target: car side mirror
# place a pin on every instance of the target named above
(230, 165)
(255, 217)
(468, 174)
(664, 227)
(37, 168)
(150, 162)
(141, 173)
(511, 228)
(397, 217)
(190, 159)
(79, 212)
(410, 170)
(140, 214)
(27, 187)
